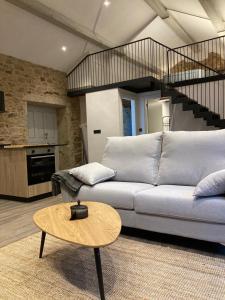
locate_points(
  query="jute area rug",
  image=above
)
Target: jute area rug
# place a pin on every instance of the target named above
(132, 269)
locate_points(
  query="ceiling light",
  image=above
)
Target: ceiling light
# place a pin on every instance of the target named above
(106, 3)
(64, 48)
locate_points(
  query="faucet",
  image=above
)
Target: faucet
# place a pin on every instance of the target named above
(46, 137)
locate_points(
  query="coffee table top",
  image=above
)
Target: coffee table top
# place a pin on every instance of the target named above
(101, 228)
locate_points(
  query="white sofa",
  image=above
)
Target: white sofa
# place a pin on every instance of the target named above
(156, 177)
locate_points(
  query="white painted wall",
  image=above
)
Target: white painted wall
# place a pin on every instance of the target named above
(104, 112)
(141, 116)
(83, 127)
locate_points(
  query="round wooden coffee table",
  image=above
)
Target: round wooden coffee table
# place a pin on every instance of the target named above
(101, 228)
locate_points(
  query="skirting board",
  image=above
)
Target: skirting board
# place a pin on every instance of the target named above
(23, 199)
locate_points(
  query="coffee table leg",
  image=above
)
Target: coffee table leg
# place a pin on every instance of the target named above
(43, 235)
(99, 273)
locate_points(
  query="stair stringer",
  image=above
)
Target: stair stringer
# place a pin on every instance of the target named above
(208, 94)
(185, 120)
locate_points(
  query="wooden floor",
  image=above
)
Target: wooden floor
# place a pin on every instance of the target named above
(16, 218)
(16, 222)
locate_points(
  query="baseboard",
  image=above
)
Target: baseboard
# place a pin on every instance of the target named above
(24, 199)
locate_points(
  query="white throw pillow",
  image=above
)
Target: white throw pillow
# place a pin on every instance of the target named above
(134, 158)
(211, 185)
(92, 173)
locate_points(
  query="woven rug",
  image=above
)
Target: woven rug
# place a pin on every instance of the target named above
(132, 269)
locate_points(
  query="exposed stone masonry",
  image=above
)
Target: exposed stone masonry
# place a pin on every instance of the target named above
(24, 82)
(214, 61)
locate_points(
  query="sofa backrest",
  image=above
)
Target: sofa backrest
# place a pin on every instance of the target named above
(189, 156)
(134, 158)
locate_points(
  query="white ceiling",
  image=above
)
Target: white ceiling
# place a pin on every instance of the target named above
(198, 28)
(161, 32)
(123, 19)
(83, 11)
(29, 37)
(220, 7)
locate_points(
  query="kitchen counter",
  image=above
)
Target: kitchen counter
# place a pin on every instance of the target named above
(17, 163)
(31, 146)
(3, 145)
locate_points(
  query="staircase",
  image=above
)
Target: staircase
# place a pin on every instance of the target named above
(199, 111)
(205, 96)
(192, 77)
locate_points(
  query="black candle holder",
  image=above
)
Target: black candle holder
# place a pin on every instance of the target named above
(78, 211)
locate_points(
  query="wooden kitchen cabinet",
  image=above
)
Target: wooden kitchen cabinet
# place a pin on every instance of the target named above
(14, 175)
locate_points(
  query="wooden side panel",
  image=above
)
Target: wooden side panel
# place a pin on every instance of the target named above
(38, 189)
(13, 172)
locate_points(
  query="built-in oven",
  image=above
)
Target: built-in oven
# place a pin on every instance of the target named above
(40, 164)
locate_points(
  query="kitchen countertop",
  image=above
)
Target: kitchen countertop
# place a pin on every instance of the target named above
(3, 145)
(31, 146)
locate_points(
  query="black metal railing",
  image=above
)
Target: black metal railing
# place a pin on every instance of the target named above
(210, 53)
(149, 58)
(143, 58)
(138, 59)
(182, 68)
(208, 65)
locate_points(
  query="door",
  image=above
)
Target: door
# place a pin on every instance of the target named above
(154, 112)
(129, 117)
(42, 125)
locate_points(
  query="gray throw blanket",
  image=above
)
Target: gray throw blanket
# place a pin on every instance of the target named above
(70, 183)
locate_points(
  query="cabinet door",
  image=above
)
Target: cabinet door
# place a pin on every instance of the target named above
(42, 125)
(50, 126)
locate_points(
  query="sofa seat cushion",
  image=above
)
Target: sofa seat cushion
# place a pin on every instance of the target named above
(117, 194)
(177, 201)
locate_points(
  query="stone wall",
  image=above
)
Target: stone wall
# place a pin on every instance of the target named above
(214, 61)
(24, 82)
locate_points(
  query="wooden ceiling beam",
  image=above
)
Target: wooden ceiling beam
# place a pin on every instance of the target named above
(165, 15)
(216, 20)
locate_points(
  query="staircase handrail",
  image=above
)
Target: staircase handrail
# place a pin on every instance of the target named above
(199, 42)
(206, 46)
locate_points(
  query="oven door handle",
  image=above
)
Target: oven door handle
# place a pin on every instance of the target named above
(42, 156)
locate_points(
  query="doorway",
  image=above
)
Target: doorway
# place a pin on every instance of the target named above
(158, 115)
(129, 117)
(154, 116)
